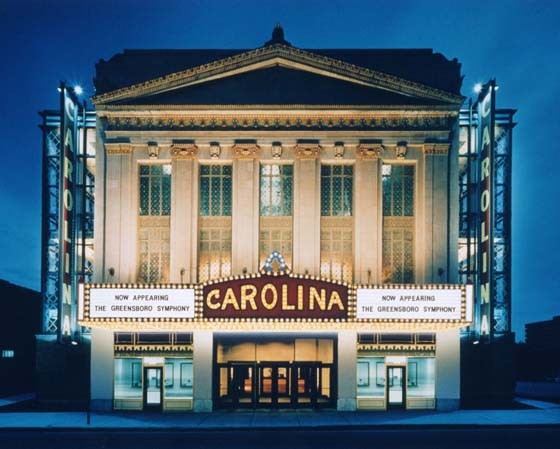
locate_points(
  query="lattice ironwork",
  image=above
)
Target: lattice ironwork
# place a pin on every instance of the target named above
(337, 190)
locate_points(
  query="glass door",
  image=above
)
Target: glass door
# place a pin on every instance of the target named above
(274, 384)
(241, 383)
(152, 388)
(396, 394)
(306, 382)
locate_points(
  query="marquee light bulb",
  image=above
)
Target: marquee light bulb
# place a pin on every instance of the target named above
(78, 90)
(478, 88)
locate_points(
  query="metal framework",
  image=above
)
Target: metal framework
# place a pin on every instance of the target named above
(469, 218)
(84, 193)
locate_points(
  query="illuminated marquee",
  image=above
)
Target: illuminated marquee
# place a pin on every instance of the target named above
(486, 143)
(68, 110)
(278, 301)
(100, 302)
(415, 303)
(269, 297)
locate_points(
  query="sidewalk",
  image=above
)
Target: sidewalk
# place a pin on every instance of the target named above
(546, 415)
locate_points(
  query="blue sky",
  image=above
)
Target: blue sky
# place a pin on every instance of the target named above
(517, 42)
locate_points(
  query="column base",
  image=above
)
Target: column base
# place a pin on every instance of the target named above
(447, 405)
(202, 405)
(346, 404)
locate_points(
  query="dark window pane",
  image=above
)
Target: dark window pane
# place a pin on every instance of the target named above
(204, 196)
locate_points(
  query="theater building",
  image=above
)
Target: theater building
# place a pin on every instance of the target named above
(275, 228)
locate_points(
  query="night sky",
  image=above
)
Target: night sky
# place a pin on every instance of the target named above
(517, 42)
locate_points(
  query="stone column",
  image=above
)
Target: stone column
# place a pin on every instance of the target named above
(436, 213)
(202, 364)
(448, 369)
(368, 222)
(120, 248)
(101, 369)
(245, 211)
(307, 214)
(347, 366)
(182, 206)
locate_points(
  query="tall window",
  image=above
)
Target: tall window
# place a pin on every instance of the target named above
(398, 223)
(214, 255)
(154, 222)
(276, 182)
(337, 221)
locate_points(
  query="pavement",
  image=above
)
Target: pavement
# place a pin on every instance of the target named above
(541, 414)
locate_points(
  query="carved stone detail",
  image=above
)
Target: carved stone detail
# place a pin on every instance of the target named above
(114, 149)
(369, 150)
(339, 149)
(153, 150)
(276, 150)
(184, 150)
(436, 149)
(307, 150)
(401, 149)
(215, 150)
(245, 150)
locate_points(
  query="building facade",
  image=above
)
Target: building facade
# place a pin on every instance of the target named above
(275, 227)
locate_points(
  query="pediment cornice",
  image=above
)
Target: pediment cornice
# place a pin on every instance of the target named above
(279, 55)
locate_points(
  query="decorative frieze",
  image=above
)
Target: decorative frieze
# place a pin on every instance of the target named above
(376, 122)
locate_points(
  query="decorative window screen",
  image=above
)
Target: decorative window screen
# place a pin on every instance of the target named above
(276, 187)
(214, 252)
(154, 222)
(398, 223)
(337, 222)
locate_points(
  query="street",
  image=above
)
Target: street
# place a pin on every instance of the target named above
(429, 438)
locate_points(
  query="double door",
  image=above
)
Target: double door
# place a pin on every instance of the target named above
(275, 384)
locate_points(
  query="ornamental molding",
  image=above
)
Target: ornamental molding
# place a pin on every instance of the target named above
(116, 149)
(279, 55)
(183, 150)
(245, 150)
(307, 150)
(436, 149)
(369, 121)
(369, 150)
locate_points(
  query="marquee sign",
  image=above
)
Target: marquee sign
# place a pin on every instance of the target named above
(68, 149)
(486, 114)
(279, 301)
(415, 303)
(271, 297)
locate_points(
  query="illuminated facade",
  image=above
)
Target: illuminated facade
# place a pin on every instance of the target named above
(276, 228)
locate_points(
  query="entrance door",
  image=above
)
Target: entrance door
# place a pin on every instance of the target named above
(241, 384)
(153, 388)
(306, 382)
(274, 384)
(396, 393)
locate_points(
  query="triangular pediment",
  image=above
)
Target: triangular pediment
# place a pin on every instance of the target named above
(278, 74)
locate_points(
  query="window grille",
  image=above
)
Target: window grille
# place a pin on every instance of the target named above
(214, 252)
(154, 223)
(337, 222)
(276, 187)
(398, 223)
